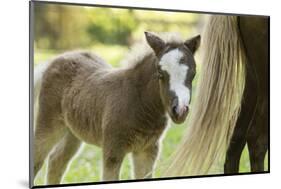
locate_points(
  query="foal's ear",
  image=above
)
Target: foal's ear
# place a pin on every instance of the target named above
(193, 43)
(155, 42)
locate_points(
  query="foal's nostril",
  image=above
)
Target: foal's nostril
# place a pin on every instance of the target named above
(174, 109)
(186, 109)
(178, 112)
(175, 106)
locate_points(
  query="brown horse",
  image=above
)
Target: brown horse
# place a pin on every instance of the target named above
(252, 124)
(83, 99)
(231, 106)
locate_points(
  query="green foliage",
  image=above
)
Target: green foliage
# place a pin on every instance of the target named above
(111, 26)
(64, 27)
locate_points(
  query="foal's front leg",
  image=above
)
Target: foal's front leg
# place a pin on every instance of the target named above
(144, 161)
(113, 156)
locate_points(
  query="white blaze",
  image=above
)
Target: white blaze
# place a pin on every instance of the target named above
(170, 62)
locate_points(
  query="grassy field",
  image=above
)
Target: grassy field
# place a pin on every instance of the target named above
(86, 166)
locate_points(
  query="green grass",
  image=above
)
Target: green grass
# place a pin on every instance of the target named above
(112, 54)
(86, 165)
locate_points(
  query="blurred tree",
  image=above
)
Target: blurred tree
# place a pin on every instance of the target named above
(60, 27)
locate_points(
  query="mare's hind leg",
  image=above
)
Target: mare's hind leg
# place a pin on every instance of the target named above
(255, 34)
(238, 139)
(47, 133)
(235, 149)
(144, 162)
(60, 157)
(258, 140)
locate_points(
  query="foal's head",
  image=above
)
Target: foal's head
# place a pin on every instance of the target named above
(176, 70)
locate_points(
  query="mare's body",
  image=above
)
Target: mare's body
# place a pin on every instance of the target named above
(252, 124)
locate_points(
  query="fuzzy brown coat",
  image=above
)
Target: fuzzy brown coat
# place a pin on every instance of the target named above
(99, 115)
(83, 99)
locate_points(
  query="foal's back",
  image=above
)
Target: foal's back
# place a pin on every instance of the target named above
(66, 69)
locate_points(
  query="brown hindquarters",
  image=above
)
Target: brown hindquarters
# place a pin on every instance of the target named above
(69, 69)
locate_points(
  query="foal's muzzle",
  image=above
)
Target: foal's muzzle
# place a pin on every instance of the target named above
(179, 113)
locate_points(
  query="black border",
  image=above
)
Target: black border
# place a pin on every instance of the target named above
(31, 70)
(142, 180)
(31, 59)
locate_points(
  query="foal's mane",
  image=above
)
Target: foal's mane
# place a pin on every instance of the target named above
(141, 49)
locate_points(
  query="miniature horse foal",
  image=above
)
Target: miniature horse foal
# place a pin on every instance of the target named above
(83, 99)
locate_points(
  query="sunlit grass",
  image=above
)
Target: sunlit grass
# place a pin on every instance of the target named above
(86, 165)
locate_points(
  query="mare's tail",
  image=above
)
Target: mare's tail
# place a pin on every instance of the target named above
(218, 100)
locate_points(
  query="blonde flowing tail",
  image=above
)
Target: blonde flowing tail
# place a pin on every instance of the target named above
(217, 103)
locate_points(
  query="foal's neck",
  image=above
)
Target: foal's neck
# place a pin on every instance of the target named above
(147, 85)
